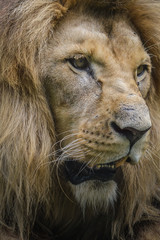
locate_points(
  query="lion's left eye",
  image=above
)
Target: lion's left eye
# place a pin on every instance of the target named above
(80, 63)
(141, 70)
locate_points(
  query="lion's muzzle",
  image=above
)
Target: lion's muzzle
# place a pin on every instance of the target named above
(123, 139)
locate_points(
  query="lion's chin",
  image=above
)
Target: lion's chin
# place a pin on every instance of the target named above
(97, 195)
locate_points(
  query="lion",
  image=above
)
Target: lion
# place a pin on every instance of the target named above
(80, 115)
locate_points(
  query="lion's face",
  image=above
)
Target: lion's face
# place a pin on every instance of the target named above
(96, 74)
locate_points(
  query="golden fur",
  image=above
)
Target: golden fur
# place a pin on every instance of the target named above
(35, 200)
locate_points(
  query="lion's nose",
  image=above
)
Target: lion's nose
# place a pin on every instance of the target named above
(132, 121)
(132, 134)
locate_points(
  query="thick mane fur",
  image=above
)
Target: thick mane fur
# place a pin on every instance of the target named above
(28, 186)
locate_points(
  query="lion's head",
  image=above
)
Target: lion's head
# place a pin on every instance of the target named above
(79, 109)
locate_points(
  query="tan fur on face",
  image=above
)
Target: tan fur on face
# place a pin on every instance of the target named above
(46, 105)
(86, 105)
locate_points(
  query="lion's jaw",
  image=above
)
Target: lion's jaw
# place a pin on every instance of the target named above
(100, 112)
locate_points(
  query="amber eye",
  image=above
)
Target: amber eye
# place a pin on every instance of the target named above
(80, 63)
(141, 71)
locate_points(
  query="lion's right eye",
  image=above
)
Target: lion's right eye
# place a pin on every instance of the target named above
(80, 63)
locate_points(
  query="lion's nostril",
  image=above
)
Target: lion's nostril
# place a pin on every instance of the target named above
(132, 134)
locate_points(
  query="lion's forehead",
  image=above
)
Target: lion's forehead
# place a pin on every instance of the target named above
(98, 38)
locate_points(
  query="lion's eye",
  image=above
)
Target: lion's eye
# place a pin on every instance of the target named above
(80, 63)
(141, 70)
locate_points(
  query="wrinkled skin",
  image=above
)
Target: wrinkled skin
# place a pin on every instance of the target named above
(100, 112)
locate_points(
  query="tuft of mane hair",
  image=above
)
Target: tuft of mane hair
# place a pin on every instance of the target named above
(32, 205)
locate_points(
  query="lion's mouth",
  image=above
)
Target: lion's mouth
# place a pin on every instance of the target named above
(78, 172)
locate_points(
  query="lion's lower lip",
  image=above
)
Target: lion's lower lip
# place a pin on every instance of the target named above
(78, 172)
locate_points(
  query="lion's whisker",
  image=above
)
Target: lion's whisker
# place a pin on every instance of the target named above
(63, 149)
(88, 163)
(72, 144)
(65, 138)
(65, 132)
